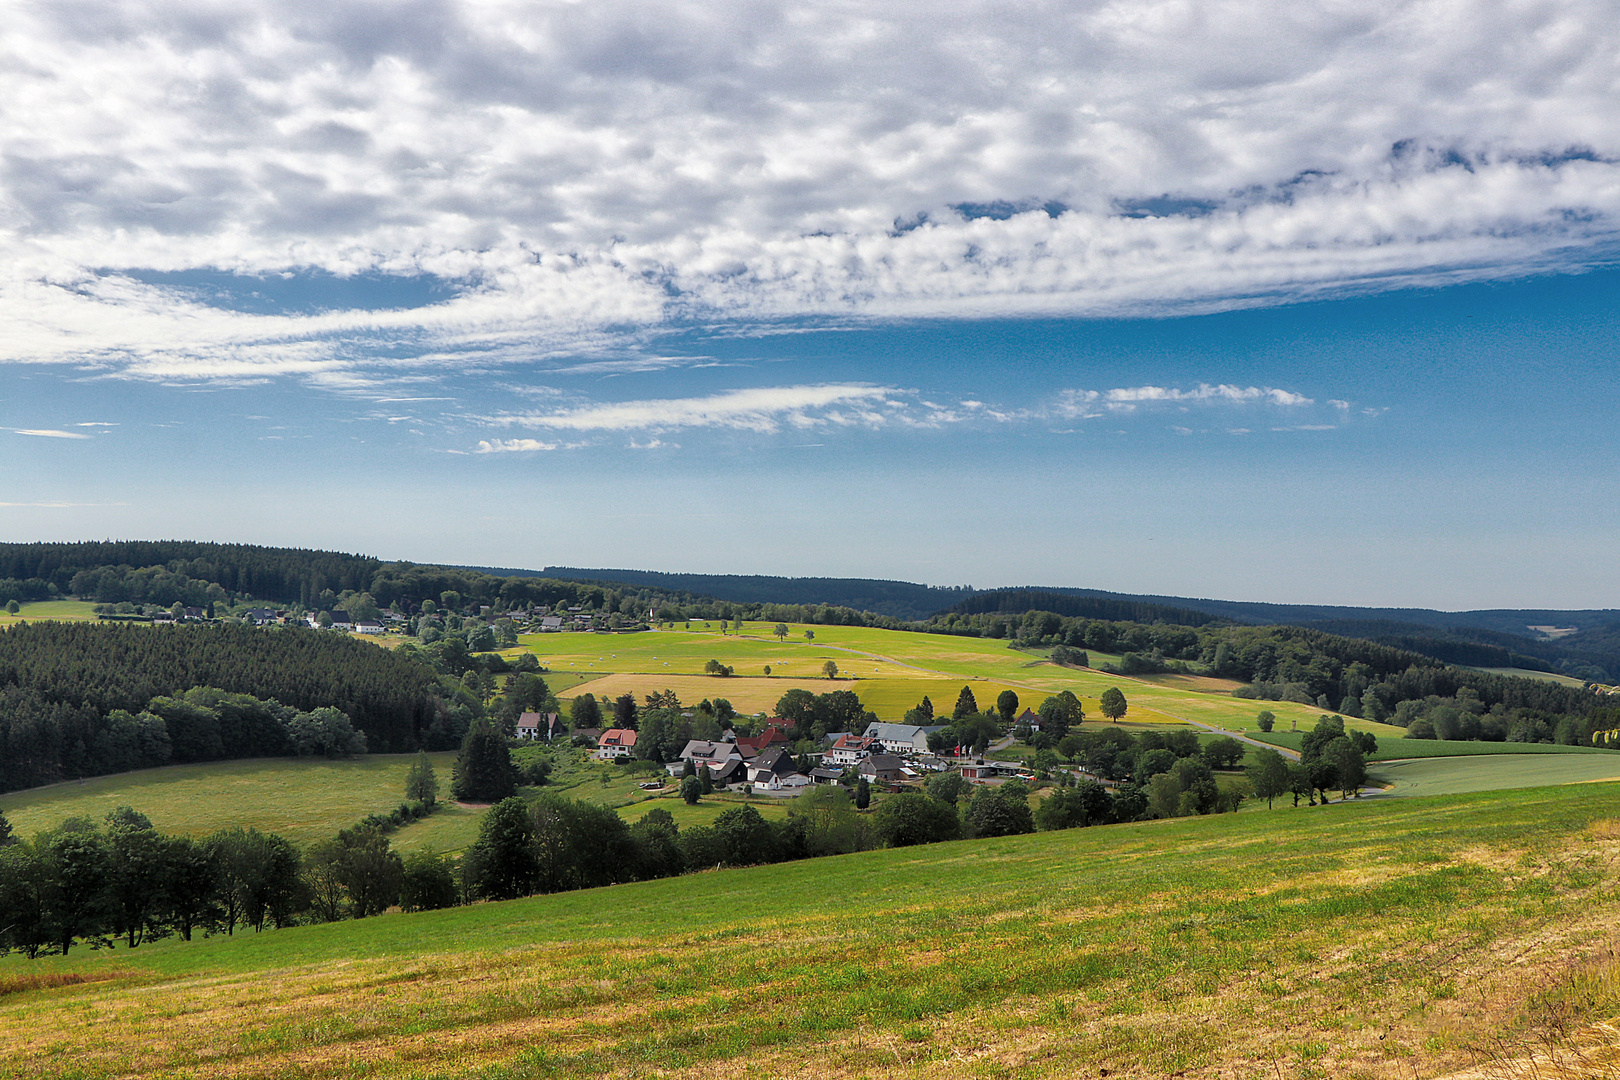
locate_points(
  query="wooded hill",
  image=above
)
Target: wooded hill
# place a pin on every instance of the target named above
(63, 684)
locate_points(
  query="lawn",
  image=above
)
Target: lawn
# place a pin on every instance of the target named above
(303, 799)
(51, 610)
(1408, 938)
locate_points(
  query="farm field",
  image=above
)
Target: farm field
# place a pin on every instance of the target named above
(1451, 775)
(304, 800)
(888, 697)
(1527, 673)
(895, 669)
(1394, 939)
(1396, 747)
(52, 610)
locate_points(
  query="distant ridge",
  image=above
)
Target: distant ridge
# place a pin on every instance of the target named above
(896, 599)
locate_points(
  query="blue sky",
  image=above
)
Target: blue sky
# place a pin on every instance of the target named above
(1320, 310)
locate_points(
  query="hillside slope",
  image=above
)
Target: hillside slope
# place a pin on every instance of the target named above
(1378, 941)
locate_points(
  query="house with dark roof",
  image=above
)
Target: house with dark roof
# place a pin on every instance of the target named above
(885, 768)
(547, 726)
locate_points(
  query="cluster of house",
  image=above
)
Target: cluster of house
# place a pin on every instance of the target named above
(885, 753)
(342, 621)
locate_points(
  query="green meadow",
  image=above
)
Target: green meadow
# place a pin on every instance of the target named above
(303, 799)
(1447, 775)
(1390, 939)
(52, 610)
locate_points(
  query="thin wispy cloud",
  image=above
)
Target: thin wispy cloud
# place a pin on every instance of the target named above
(580, 180)
(759, 409)
(50, 433)
(1084, 404)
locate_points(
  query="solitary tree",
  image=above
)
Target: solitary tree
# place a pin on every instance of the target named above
(1113, 703)
(1268, 775)
(863, 794)
(1007, 705)
(1266, 720)
(965, 704)
(830, 670)
(420, 783)
(624, 711)
(483, 769)
(809, 635)
(781, 631)
(691, 790)
(584, 712)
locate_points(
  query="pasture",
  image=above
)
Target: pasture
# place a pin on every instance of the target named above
(1451, 775)
(1386, 940)
(304, 800)
(50, 610)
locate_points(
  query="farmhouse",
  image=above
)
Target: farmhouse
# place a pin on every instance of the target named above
(368, 626)
(771, 765)
(899, 738)
(848, 750)
(616, 743)
(547, 726)
(703, 752)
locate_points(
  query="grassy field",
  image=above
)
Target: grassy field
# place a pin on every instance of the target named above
(51, 610)
(1408, 938)
(1527, 673)
(1391, 748)
(304, 800)
(1451, 775)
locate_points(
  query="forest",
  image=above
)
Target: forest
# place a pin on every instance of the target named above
(73, 695)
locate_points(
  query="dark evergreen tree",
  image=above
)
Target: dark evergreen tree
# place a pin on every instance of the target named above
(483, 769)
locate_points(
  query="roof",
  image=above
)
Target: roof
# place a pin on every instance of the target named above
(847, 741)
(895, 732)
(708, 751)
(882, 763)
(619, 736)
(774, 760)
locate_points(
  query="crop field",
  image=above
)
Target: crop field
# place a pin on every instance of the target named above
(1408, 938)
(304, 800)
(52, 610)
(894, 669)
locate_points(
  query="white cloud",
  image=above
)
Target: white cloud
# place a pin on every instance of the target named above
(513, 446)
(1090, 404)
(50, 433)
(761, 409)
(590, 171)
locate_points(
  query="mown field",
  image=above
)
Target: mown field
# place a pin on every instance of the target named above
(1450, 775)
(54, 610)
(304, 800)
(1404, 939)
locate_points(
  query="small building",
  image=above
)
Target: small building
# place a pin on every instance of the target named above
(703, 752)
(826, 776)
(616, 743)
(368, 626)
(886, 768)
(899, 738)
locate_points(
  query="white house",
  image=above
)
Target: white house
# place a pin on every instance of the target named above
(848, 750)
(616, 743)
(899, 738)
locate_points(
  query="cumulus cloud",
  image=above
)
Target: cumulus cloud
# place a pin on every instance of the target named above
(586, 172)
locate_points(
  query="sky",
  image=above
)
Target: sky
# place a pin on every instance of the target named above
(1256, 301)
